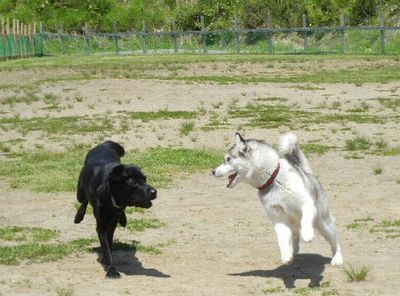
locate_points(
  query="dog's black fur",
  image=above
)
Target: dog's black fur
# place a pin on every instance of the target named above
(110, 187)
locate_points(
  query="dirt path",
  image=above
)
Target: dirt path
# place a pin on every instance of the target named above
(217, 241)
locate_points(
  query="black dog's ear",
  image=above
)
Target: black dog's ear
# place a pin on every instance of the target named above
(117, 173)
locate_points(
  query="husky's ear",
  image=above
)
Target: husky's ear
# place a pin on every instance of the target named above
(117, 173)
(239, 140)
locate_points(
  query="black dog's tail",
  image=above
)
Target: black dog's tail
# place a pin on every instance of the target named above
(116, 147)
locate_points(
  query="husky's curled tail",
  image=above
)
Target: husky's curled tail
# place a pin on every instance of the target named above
(289, 148)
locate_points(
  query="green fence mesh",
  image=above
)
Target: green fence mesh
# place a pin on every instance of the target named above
(351, 40)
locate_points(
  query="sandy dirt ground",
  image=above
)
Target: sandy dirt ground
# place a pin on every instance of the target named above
(218, 240)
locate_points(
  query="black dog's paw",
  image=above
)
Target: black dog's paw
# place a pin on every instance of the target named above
(122, 219)
(78, 218)
(112, 273)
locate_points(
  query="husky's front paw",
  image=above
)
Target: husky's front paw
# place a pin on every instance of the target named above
(307, 234)
(287, 259)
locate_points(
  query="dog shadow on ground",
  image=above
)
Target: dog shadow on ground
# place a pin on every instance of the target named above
(304, 266)
(126, 262)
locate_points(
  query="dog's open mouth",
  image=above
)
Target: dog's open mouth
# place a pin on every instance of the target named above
(231, 178)
(144, 204)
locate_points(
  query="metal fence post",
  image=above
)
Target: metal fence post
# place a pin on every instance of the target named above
(305, 32)
(342, 34)
(62, 39)
(115, 29)
(174, 36)
(87, 37)
(269, 33)
(237, 35)
(144, 43)
(203, 34)
(382, 23)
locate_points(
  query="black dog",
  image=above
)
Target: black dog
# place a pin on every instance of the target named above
(110, 187)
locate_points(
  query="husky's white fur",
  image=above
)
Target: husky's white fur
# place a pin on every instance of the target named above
(295, 201)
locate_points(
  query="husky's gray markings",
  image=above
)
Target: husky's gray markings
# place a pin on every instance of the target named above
(292, 196)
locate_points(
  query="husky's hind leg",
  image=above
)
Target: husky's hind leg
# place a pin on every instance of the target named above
(326, 226)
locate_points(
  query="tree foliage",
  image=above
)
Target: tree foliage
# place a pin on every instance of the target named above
(222, 14)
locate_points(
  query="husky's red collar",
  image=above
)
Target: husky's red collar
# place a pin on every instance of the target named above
(271, 179)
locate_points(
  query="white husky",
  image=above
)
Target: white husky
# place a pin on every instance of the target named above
(292, 196)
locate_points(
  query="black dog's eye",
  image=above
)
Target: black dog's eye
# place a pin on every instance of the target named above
(131, 181)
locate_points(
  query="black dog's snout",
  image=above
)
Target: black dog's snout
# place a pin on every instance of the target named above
(153, 193)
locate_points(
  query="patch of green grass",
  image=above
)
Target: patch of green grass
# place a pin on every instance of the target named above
(133, 210)
(308, 87)
(143, 224)
(390, 228)
(273, 116)
(377, 171)
(67, 291)
(358, 143)
(38, 253)
(359, 223)
(356, 274)
(272, 99)
(48, 171)
(27, 98)
(4, 148)
(186, 128)
(162, 114)
(393, 151)
(60, 125)
(268, 291)
(303, 291)
(315, 148)
(136, 246)
(35, 234)
(390, 103)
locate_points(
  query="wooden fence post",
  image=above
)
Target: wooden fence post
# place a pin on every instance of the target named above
(115, 30)
(342, 34)
(18, 37)
(203, 34)
(34, 39)
(305, 32)
(8, 37)
(41, 35)
(3, 34)
(174, 36)
(382, 29)
(269, 33)
(62, 45)
(14, 33)
(87, 37)
(144, 45)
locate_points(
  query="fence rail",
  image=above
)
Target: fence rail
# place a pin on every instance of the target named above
(23, 40)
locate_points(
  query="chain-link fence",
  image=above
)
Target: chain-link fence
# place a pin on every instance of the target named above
(337, 39)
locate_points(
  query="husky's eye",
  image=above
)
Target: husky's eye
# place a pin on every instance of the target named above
(228, 159)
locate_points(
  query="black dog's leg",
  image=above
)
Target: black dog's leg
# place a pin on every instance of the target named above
(80, 214)
(106, 234)
(123, 220)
